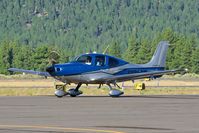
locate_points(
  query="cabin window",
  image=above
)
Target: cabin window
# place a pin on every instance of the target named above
(86, 59)
(99, 60)
(113, 62)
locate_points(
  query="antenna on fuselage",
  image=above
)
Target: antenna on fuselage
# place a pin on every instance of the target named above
(90, 50)
(106, 49)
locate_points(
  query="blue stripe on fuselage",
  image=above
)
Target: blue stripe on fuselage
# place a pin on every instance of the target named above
(139, 70)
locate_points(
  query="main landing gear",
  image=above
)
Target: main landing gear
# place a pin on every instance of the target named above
(115, 92)
(61, 91)
(75, 91)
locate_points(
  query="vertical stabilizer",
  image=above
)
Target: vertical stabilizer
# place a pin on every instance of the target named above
(159, 57)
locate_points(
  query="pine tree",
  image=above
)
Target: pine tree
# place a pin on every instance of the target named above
(40, 57)
(187, 49)
(132, 50)
(144, 53)
(6, 57)
(114, 50)
(195, 61)
(23, 57)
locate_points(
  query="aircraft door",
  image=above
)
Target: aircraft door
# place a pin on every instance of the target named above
(100, 61)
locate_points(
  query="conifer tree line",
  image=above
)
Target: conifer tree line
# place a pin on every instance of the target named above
(183, 53)
(30, 29)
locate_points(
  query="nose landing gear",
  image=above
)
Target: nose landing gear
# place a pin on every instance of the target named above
(61, 90)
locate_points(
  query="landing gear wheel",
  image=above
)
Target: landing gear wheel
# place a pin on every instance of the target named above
(58, 96)
(74, 92)
(114, 92)
(60, 91)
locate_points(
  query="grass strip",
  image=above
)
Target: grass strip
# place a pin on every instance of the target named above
(102, 91)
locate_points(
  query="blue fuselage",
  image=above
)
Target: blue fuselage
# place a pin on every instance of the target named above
(77, 67)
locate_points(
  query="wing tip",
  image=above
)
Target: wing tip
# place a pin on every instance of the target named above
(10, 69)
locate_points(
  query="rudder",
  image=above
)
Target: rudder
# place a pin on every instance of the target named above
(159, 57)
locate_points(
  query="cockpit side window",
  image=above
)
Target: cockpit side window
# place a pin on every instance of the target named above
(99, 60)
(86, 59)
(113, 62)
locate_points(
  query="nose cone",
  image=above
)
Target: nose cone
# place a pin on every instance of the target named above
(50, 69)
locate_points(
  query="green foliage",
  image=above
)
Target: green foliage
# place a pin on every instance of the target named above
(114, 50)
(144, 52)
(6, 56)
(133, 28)
(40, 57)
(132, 50)
(88, 23)
(23, 57)
(195, 61)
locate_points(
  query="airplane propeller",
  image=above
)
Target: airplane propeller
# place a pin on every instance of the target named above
(53, 57)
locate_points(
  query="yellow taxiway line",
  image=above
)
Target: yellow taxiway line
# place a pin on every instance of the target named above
(59, 128)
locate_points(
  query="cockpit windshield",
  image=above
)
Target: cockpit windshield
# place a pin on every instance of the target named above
(86, 59)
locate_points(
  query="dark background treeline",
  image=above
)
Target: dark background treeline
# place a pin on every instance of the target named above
(29, 30)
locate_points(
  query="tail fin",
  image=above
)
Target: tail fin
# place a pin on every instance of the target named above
(159, 57)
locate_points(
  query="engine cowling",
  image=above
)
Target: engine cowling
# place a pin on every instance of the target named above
(115, 93)
(60, 93)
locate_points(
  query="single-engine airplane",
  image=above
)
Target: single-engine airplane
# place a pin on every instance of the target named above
(94, 68)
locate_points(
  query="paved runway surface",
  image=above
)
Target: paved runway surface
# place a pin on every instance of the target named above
(89, 114)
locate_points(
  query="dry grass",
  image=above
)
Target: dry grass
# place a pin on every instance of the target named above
(32, 87)
(103, 91)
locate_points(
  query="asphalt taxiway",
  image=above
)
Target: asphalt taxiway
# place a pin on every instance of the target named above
(100, 114)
